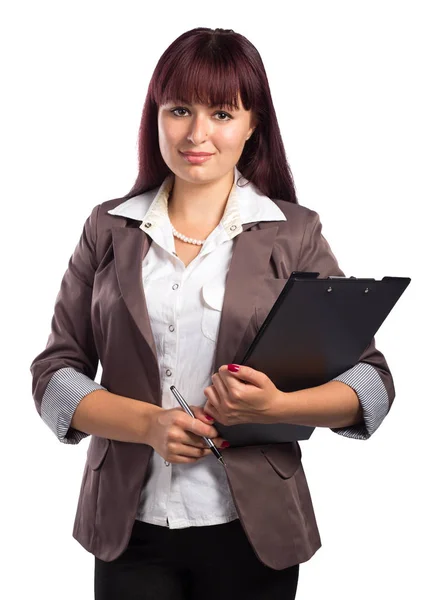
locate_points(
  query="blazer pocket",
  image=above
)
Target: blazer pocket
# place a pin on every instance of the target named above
(97, 451)
(285, 458)
(213, 293)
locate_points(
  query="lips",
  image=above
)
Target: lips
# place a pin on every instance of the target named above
(197, 153)
(196, 158)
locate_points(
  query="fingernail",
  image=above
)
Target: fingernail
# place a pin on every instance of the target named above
(233, 368)
(225, 444)
(209, 417)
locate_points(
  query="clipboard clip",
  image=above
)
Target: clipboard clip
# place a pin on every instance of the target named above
(303, 275)
(314, 275)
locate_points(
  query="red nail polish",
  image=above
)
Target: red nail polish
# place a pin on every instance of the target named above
(209, 417)
(233, 368)
(225, 444)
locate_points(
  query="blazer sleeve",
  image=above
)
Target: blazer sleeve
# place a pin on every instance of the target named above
(370, 377)
(63, 373)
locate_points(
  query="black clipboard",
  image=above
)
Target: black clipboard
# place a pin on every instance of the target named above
(316, 330)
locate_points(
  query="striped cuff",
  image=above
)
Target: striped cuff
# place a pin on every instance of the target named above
(373, 397)
(64, 391)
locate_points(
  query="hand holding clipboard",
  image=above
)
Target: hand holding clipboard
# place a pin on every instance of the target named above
(316, 330)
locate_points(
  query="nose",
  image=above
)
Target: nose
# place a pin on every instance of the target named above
(200, 129)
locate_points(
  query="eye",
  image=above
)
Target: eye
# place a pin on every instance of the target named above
(174, 110)
(226, 115)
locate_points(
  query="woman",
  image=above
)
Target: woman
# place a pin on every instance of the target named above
(168, 286)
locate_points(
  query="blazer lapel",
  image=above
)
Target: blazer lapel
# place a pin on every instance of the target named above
(130, 245)
(251, 255)
(250, 259)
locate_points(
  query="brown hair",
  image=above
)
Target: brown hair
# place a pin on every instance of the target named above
(211, 66)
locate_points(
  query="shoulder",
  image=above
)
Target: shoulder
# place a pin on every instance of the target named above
(105, 220)
(296, 212)
(298, 217)
(98, 225)
(100, 221)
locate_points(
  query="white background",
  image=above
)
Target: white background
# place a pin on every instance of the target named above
(346, 84)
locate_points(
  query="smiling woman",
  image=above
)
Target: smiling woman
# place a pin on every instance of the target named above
(167, 286)
(198, 135)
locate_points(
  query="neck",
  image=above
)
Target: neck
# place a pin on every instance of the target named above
(199, 204)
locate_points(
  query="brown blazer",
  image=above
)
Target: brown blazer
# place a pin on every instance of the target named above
(101, 314)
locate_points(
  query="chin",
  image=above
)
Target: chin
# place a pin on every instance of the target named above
(193, 172)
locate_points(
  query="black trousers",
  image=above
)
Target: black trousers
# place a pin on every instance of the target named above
(194, 563)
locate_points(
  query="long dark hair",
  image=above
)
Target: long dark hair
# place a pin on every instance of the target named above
(213, 65)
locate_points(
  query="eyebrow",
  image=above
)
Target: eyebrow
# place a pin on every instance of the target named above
(208, 105)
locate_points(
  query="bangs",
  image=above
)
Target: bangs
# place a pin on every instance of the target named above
(209, 79)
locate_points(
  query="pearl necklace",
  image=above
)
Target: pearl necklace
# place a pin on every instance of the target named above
(184, 238)
(181, 236)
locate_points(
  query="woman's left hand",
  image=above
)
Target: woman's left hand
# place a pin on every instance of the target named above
(245, 396)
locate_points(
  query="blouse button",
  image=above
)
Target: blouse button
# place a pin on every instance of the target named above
(148, 224)
(168, 372)
(175, 286)
(171, 328)
(233, 227)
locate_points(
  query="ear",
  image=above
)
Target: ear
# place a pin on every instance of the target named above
(253, 125)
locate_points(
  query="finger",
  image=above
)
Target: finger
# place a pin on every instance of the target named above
(197, 441)
(231, 382)
(181, 449)
(221, 385)
(197, 427)
(200, 443)
(182, 459)
(200, 414)
(244, 374)
(210, 408)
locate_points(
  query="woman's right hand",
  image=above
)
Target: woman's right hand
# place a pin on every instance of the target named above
(177, 437)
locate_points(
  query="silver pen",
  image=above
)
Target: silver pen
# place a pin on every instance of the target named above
(189, 411)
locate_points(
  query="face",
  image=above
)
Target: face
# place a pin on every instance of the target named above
(197, 128)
